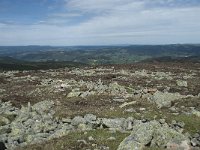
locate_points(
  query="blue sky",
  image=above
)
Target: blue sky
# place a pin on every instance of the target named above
(99, 22)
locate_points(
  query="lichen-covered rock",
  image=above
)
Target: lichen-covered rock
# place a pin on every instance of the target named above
(4, 120)
(43, 106)
(61, 132)
(164, 99)
(130, 144)
(181, 146)
(6, 108)
(113, 123)
(83, 127)
(74, 94)
(195, 142)
(32, 124)
(196, 112)
(128, 123)
(127, 104)
(78, 120)
(152, 134)
(90, 118)
(164, 135)
(5, 130)
(181, 83)
(66, 120)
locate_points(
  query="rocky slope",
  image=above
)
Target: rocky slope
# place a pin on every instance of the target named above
(140, 106)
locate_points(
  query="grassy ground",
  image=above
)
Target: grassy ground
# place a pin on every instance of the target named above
(74, 141)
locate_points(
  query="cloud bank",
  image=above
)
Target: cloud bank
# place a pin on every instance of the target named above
(104, 22)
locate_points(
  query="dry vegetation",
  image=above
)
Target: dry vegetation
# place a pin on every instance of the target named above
(101, 91)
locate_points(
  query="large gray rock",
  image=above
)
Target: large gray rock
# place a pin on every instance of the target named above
(165, 99)
(61, 132)
(74, 94)
(4, 120)
(153, 134)
(113, 123)
(5, 129)
(32, 124)
(195, 142)
(78, 120)
(6, 108)
(90, 118)
(181, 83)
(43, 106)
(128, 123)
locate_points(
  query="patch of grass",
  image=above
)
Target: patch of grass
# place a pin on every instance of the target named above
(70, 142)
(192, 122)
(151, 115)
(116, 113)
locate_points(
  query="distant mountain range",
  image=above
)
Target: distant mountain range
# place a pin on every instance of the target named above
(95, 55)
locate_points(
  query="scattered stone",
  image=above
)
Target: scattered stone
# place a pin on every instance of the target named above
(94, 145)
(90, 138)
(90, 118)
(82, 141)
(42, 107)
(150, 90)
(152, 133)
(5, 129)
(74, 94)
(32, 124)
(142, 109)
(36, 124)
(164, 99)
(179, 146)
(196, 112)
(120, 100)
(173, 109)
(181, 124)
(127, 104)
(78, 120)
(113, 123)
(195, 142)
(111, 138)
(4, 121)
(82, 127)
(162, 121)
(66, 120)
(182, 83)
(198, 95)
(102, 147)
(196, 135)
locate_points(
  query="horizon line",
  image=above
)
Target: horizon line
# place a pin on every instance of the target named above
(100, 45)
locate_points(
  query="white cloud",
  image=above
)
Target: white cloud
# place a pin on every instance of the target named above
(66, 15)
(110, 22)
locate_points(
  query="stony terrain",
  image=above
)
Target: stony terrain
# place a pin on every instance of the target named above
(113, 107)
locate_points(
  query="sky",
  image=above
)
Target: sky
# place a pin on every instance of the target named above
(99, 22)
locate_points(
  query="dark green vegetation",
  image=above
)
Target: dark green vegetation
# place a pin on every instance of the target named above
(8, 63)
(103, 54)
